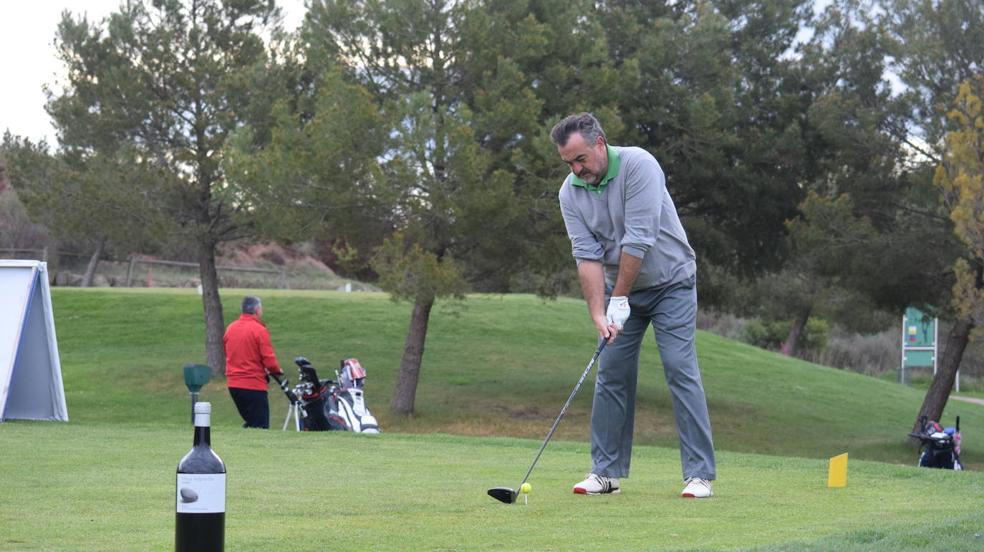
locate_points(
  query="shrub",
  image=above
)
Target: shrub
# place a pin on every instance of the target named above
(771, 334)
(868, 354)
(722, 323)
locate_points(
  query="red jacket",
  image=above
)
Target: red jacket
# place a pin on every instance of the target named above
(249, 354)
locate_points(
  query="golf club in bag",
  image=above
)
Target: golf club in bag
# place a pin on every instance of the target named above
(507, 495)
(326, 405)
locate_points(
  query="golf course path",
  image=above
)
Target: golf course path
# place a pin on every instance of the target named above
(974, 400)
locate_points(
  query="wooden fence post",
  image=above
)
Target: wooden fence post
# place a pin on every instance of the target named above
(129, 270)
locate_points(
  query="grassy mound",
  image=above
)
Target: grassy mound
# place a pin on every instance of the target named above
(493, 366)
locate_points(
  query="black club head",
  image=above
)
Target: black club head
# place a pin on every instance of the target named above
(503, 494)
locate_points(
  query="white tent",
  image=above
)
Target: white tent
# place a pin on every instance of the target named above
(30, 371)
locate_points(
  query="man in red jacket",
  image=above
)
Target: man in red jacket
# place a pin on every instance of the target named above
(249, 357)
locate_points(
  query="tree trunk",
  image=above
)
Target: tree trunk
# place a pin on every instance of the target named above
(946, 373)
(413, 352)
(90, 270)
(791, 345)
(214, 323)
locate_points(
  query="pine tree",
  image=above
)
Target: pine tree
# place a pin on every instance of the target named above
(169, 80)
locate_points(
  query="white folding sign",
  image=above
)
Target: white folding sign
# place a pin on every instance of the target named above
(30, 371)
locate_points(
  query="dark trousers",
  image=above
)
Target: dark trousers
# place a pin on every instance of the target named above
(253, 407)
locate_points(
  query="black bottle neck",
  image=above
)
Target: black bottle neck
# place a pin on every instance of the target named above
(203, 436)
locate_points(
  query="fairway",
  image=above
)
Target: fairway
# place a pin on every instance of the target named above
(489, 390)
(105, 488)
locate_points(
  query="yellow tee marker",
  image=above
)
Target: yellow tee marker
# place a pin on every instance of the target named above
(837, 473)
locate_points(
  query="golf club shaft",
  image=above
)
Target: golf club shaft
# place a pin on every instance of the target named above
(284, 384)
(601, 347)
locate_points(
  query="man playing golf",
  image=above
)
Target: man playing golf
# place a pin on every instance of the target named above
(636, 268)
(249, 356)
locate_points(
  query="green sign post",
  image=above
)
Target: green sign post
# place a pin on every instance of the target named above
(919, 342)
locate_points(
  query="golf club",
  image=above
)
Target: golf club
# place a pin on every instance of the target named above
(284, 384)
(294, 409)
(507, 495)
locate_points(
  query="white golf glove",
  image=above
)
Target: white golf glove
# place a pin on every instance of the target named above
(618, 311)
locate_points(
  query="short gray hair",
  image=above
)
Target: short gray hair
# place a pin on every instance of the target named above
(251, 304)
(584, 124)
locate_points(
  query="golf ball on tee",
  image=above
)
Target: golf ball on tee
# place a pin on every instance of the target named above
(526, 488)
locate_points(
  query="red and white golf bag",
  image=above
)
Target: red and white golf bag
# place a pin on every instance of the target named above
(326, 405)
(347, 400)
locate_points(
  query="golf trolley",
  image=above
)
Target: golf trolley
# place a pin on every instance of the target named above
(326, 405)
(940, 447)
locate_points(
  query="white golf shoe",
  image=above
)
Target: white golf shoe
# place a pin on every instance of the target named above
(697, 488)
(597, 484)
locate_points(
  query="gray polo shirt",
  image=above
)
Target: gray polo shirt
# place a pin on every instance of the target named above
(633, 213)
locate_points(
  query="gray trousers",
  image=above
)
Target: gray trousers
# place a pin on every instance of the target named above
(672, 311)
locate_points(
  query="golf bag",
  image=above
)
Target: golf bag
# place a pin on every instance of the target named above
(326, 405)
(348, 400)
(940, 447)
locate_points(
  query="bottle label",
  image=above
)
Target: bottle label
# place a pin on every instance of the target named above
(201, 493)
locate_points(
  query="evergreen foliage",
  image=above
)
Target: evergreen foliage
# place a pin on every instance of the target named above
(162, 85)
(411, 137)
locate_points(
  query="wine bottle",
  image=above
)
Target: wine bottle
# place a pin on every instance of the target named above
(200, 492)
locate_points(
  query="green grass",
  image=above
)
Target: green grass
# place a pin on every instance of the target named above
(494, 366)
(494, 377)
(100, 487)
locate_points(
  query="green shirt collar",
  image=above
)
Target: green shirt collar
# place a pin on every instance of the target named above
(613, 164)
